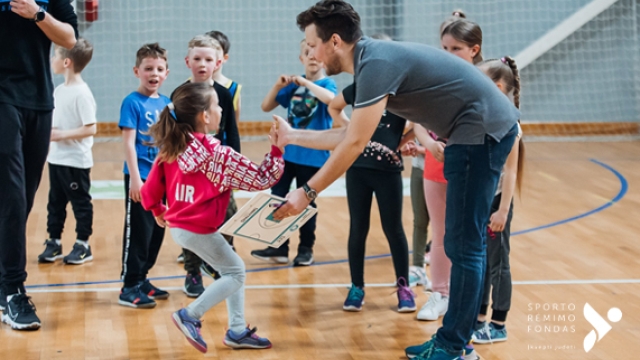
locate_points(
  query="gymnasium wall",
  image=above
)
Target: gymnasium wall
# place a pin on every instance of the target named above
(591, 76)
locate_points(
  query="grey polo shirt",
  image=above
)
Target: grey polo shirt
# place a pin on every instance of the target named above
(433, 88)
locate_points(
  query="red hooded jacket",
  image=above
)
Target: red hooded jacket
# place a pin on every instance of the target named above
(198, 184)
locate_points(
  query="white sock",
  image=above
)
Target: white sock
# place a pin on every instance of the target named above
(83, 243)
(58, 241)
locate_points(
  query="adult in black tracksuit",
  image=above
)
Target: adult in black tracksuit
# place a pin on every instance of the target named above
(26, 103)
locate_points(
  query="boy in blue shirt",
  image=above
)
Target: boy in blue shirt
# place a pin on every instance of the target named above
(142, 236)
(306, 99)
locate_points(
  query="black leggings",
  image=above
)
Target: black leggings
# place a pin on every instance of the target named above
(387, 186)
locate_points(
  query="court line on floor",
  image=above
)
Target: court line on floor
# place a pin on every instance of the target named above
(624, 186)
(324, 286)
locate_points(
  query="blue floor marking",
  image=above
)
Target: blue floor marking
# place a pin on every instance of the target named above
(624, 187)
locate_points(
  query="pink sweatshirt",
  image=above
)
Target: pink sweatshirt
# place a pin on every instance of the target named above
(198, 184)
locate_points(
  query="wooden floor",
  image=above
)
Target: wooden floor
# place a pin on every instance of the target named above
(589, 253)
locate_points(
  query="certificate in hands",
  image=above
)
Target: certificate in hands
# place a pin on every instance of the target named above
(254, 221)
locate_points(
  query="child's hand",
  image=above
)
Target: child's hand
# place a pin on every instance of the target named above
(498, 220)
(282, 129)
(55, 135)
(299, 80)
(273, 135)
(409, 149)
(134, 190)
(437, 150)
(161, 221)
(283, 80)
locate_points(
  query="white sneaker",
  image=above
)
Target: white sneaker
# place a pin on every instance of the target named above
(435, 307)
(417, 276)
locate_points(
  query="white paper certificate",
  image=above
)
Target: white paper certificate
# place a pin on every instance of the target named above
(254, 221)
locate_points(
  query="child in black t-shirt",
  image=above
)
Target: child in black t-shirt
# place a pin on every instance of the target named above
(377, 171)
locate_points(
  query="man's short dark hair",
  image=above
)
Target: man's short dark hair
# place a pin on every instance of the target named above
(222, 39)
(332, 17)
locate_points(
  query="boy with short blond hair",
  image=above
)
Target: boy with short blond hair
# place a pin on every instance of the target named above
(142, 236)
(70, 159)
(203, 58)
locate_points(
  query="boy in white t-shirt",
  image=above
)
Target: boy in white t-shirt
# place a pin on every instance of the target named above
(70, 159)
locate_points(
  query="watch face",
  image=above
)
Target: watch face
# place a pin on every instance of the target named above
(40, 15)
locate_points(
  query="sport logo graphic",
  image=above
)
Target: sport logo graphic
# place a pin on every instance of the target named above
(601, 326)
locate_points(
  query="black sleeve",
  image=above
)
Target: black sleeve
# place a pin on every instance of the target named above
(228, 122)
(62, 11)
(349, 94)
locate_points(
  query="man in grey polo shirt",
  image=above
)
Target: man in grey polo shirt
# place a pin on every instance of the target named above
(447, 96)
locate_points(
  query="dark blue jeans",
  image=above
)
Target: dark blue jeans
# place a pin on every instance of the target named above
(472, 173)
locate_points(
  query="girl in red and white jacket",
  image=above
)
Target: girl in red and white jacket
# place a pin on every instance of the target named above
(197, 174)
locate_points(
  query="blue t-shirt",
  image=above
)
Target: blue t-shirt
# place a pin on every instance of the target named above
(305, 111)
(140, 112)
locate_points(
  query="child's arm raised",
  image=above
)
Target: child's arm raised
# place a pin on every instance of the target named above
(131, 157)
(73, 134)
(323, 94)
(248, 176)
(269, 103)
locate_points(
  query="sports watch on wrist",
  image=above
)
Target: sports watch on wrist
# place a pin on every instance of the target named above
(40, 14)
(311, 193)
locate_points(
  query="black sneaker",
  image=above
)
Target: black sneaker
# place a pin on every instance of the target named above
(135, 298)
(193, 285)
(3, 299)
(51, 253)
(276, 255)
(153, 292)
(209, 270)
(79, 255)
(304, 258)
(20, 313)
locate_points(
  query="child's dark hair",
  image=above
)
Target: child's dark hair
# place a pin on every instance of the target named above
(332, 17)
(80, 54)
(153, 51)
(222, 39)
(505, 71)
(172, 133)
(464, 31)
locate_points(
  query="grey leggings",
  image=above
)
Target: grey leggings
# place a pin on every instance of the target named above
(216, 251)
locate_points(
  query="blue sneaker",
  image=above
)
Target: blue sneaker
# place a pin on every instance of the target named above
(489, 334)
(429, 351)
(153, 292)
(248, 339)
(190, 327)
(413, 351)
(406, 302)
(134, 297)
(354, 300)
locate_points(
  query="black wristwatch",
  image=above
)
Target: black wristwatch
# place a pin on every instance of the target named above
(40, 14)
(311, 193)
